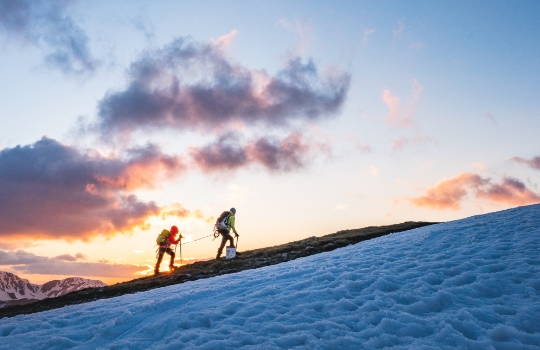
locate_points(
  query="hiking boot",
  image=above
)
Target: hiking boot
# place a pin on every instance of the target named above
(172, 268)
(156, 273)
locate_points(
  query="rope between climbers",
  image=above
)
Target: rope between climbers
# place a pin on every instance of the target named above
(198, 239)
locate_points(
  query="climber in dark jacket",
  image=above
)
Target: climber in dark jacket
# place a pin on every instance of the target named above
(224, 224)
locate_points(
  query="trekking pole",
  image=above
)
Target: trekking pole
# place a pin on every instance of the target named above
(181, 260)
(237, 238)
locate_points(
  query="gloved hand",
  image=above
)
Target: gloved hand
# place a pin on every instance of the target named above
(236, 234)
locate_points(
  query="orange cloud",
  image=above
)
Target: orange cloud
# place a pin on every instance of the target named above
(53, 191)
(178, 210)
(448, 194)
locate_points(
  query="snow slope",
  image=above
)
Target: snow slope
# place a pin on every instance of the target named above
(12, 287)
(472, 283)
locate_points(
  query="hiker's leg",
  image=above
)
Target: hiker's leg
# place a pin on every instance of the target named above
(160, 258)
(222, 245)
(172, 254)
(231, 240)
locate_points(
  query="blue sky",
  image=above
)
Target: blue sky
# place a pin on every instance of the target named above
(308, 117)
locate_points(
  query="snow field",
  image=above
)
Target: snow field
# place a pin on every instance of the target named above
(469, 284)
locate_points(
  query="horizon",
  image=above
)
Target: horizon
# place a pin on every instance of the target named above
(122, 119)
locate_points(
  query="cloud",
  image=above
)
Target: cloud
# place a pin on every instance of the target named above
(179, 211)
(533, 163)
(45, 24)
(393, 105)
(67, 257)
(224, 154)
(229, 153)
(479, 165)
(225, 40)
(281, 155)
(449, 193)
(398, 144)
(305, 32)
(401, 114)
(53, 191)
(193, 86)
(367, 33)
(491, 118)
(363, 147)
(510, 191)
(67, 265)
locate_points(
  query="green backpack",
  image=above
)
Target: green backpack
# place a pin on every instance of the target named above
(162, 237)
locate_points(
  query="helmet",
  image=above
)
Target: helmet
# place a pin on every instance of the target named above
(233, 210)
(174, 229)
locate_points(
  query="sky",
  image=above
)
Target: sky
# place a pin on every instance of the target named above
(309, 117)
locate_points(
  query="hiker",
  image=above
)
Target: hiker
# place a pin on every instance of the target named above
(165, 239)
(224, 224)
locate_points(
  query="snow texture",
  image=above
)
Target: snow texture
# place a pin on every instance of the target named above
(468, 284)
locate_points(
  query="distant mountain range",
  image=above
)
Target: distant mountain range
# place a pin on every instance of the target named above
(18, 291)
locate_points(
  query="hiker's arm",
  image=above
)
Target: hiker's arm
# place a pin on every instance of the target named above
(231, 223)
(175, 241)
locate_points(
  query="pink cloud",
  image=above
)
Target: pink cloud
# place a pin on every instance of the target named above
(393, 105)
(401, 114)
(510, 191)
(449, 193)
(491, 118)
(226, 39)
